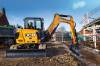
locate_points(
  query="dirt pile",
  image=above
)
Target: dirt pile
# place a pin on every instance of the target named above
(56, 56)
(60, 60)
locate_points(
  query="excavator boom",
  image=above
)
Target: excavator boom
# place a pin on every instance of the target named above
(59, 18)
(63, 19)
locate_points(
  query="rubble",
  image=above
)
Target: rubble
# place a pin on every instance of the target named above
(57, 57)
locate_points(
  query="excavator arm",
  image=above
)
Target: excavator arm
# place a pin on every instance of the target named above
(63, 19)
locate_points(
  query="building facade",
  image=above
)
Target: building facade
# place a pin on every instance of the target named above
(91, 32)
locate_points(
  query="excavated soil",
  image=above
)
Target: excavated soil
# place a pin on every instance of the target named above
(56, 56)
(91, 56)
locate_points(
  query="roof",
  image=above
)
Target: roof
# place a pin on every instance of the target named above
(3, 18)
(96, 22)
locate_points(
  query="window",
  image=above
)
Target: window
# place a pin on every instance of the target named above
(31, 23)
(98, 30)
(38, 24)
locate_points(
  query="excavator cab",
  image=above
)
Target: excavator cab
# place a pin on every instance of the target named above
(33, 23)
(29, 36)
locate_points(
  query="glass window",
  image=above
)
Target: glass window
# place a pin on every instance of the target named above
(38, 24)
(98, 30)
(31, 23)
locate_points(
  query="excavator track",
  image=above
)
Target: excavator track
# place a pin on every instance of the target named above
(25, 53)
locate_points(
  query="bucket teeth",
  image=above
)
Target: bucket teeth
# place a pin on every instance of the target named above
(25, 53)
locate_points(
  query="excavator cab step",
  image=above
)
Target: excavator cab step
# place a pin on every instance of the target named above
(25, 53)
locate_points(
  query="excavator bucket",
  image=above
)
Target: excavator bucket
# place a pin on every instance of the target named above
(74, 49)
(25, 53)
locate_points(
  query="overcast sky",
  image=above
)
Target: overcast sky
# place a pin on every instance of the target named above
(17, 10)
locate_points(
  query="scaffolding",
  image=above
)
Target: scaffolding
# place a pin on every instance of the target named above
(91, 32)
(61, 36)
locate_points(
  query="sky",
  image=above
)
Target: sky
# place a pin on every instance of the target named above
(17, 10)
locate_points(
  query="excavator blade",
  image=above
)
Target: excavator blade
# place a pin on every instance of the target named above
(25, 53)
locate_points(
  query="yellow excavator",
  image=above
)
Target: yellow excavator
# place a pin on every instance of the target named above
(33, 36)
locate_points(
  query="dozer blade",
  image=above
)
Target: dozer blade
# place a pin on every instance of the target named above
(25, 53)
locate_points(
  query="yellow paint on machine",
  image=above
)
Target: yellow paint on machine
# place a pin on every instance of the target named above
(27, 36)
